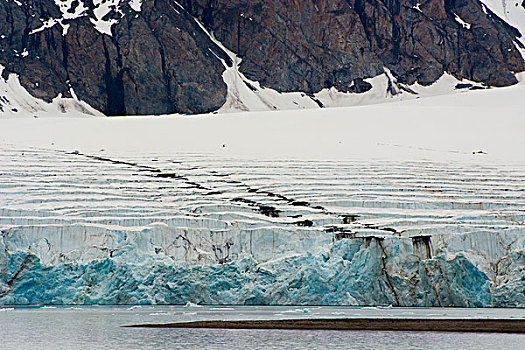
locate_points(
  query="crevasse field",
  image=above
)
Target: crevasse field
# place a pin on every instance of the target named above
(413, 203)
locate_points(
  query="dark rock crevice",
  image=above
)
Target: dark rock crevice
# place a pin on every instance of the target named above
(64, 57)
(388, 281)
(115, 104)
(422, 247)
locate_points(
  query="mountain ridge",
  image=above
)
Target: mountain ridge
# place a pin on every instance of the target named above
(160, 57)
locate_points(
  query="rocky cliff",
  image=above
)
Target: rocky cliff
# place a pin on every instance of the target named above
(157, 56)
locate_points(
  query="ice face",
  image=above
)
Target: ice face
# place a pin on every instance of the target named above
(352, 272)
(79, 228)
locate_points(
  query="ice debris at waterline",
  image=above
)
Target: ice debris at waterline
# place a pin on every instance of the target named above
(201, 229)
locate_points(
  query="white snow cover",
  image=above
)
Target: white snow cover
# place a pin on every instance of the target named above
(102, 8)
(462, 22)
(136, 5)
(438, 127)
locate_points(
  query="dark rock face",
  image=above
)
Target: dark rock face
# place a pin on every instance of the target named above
(160, 61)
(156, 62)
(312, 44)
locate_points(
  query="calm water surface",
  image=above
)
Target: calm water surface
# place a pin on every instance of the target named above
(100, 328)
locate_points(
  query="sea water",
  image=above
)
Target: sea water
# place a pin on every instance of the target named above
(101, 328)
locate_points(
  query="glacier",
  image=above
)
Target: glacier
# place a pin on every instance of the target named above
(357, 271)
(414, 203)
(80, 228)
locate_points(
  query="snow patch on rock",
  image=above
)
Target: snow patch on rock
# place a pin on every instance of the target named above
(248, 95)
(104, 15)
(15, 101)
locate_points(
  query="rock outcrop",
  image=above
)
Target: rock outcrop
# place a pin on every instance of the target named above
(153, 57)
(310, 45)
(156, 61)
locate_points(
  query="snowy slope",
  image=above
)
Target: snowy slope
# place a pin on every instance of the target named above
(438, 127)
(511, 11)
(16, 101)
(411, 203)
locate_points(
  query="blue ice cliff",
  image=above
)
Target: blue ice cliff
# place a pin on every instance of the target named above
(156, 266)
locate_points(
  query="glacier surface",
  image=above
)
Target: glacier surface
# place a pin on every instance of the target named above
(80, 228)
(416, 203)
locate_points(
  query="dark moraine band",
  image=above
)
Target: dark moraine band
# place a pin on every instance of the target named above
(382, 324)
